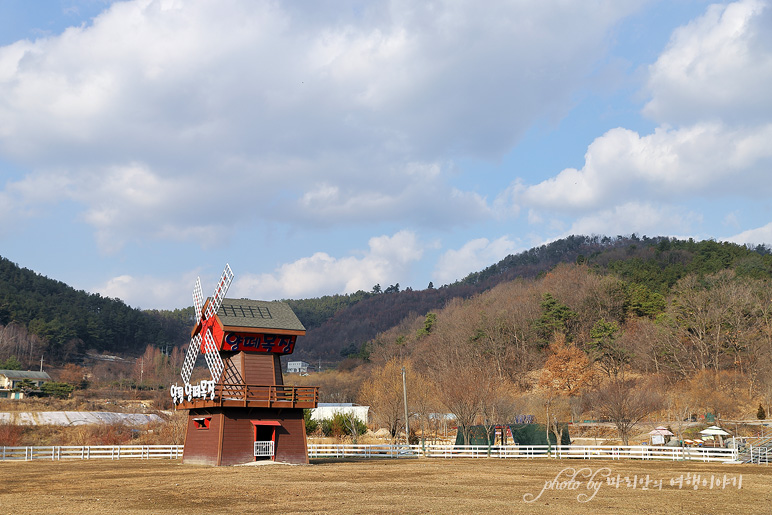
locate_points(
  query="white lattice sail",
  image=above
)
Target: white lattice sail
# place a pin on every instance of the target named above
(198, 299)
(219, 292)
(213, 358)
(190, 358)
(211, 353)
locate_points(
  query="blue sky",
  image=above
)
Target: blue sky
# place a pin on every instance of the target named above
(323, 147)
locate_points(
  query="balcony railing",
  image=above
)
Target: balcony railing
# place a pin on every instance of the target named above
(252, 395)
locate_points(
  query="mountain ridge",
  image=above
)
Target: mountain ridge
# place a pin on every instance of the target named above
(54, 318)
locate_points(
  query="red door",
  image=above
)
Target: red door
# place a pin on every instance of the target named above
(265, 431)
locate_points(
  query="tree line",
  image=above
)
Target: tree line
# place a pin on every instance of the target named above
(677, 329)
(652, 265)
(43, 316)
(40, 316)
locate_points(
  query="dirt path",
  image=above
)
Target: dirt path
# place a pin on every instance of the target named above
(379, 486)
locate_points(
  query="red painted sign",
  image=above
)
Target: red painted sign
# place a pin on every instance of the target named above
(250, 342)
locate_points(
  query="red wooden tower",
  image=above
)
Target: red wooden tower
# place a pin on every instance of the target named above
(244, 412)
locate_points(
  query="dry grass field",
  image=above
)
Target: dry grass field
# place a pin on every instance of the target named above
(377, 486)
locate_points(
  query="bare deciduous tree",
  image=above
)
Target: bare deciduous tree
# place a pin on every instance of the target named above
(625, 402)
(679, 409)
(709, 317)
(498, 406)
(461, 388)
(383, 393)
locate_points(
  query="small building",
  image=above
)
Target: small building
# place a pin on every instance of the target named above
(660, 435)
(328, 410)
(10, 380)
(297, 367)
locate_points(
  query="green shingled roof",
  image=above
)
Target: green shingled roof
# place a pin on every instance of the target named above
(258, 314)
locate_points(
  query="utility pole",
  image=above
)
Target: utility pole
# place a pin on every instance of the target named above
(41, 362)
(404, 398)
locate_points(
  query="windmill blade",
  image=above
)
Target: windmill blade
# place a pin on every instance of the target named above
(219, 292)
(213, 358)
(198, 299)
(190, 358)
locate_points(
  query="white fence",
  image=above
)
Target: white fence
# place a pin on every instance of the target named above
(613, 452)
(110, 452)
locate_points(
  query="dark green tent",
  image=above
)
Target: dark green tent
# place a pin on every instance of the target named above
(476, 436)
(536, 434)
(522, 434)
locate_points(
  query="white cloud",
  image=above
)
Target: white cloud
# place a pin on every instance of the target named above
(126, 203)
(133, 203)
(719, 66)
(709, 90)
(31, 196)
(298, 105)
(420, 199)
(650, 219)
(534, 217)
(732, 220)
(387, 261)
(506, 204)
(472, 257)
(757, 236)
(158, 293)
(622, 166)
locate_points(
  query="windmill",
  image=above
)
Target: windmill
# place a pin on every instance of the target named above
(245, 412)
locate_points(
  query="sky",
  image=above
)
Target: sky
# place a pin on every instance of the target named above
(324, 147)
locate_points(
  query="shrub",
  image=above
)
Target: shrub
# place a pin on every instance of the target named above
(329, 428)
(10, 435)
(58, 390)
(343, 425)
(311, 424)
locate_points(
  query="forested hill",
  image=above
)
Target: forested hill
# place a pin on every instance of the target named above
(347, 316)
(654, 263)
(39, 315)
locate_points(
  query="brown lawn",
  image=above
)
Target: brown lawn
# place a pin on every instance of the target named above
(375, 486)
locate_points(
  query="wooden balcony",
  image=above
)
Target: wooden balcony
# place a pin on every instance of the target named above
(257, 396)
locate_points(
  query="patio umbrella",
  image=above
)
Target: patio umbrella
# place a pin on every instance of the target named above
(714, 430)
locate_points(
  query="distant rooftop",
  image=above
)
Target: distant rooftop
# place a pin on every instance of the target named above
(258, 314)
(25, 374)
